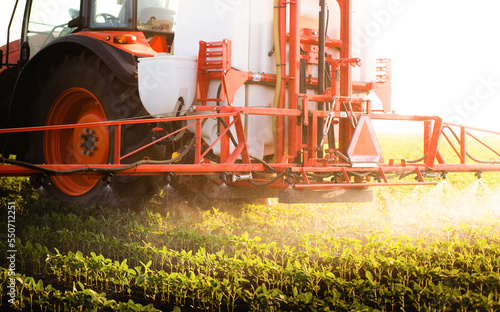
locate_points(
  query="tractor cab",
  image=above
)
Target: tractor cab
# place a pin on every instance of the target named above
(155, 19)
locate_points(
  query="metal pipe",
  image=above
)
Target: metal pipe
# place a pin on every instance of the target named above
(280, 120)
(294, 130)
(345, 128)
(7, 48)
(321, 70)
(321, 49)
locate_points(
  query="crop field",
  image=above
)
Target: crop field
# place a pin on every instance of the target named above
(423, 248)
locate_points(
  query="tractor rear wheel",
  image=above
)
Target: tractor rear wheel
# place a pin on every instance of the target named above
(82, 89)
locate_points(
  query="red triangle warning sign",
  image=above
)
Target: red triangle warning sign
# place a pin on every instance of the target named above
(364, 149)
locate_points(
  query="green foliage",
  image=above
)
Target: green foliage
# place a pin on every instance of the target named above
(17, 190)
(319, 272)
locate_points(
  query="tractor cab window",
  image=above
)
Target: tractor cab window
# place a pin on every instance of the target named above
(151, 15)
(49, 21)
(111, 14)
(155, 15)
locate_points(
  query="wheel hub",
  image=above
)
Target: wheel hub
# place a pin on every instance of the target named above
(87, 145)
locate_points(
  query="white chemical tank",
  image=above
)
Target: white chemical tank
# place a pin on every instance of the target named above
(249, 26)
(164, 80)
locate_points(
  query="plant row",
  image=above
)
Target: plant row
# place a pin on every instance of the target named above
(32, 295)
(323, 272)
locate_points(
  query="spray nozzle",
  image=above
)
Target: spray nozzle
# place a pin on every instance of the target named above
(107, 179)
(223, 178)
(39, 181)
(168, 178)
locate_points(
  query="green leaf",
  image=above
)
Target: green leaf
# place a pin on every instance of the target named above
(454, 271)
(369, 276)
(309, 296)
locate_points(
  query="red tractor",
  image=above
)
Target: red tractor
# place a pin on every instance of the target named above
(100, 103)
(76, 62)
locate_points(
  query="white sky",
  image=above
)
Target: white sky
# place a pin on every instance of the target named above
(445, 56)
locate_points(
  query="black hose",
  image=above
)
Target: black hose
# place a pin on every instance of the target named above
(265, 164)
(413, 161)
(233, 140)
(276, 178)
(97, 169)
(467, 153)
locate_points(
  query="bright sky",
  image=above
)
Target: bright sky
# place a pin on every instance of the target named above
(445, 56)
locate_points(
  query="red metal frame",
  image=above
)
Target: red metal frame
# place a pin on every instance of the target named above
(230, 165)
(302, 168)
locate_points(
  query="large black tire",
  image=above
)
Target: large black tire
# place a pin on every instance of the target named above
(83, 89)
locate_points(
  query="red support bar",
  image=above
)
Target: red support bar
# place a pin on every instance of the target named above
(346, 176)
(484, 144)
(453, 147)
(242, 148)
(235, 154)
(419, 175)
(427, 136)
(433, 144)
(222, 137)
(197, 147)
(463, 152)
(294, 130)
(156, 141)
(242, 141)
(117, 147)
(382, 175)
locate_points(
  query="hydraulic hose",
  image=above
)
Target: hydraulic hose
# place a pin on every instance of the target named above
(100, 169)
(467, 153)
(277, 56)
(276, 178)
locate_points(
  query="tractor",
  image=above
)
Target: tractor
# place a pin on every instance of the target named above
(76, 62)
(109, 101)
